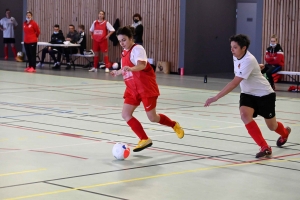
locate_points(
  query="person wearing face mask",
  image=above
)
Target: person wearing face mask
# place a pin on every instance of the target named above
(275, 60)
(31, 34)
(7, 25)
(141, 86)
(139, 28)
(56, 38)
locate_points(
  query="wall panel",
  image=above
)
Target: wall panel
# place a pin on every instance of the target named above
(160, 19)
(281, 17)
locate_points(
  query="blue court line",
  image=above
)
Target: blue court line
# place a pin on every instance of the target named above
(37, 107)
(8, 117)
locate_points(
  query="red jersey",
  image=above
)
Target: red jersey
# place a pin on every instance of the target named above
(31, 31)
(100, 31)
(275, 56)
(142, 83)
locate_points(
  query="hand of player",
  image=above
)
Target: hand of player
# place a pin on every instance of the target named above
(262, 66)
(127, 69)
(116, 72)
(209, 101)
(91, 37)
(49, 48)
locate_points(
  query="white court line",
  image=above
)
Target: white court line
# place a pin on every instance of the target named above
(115, 108)
(105, 140)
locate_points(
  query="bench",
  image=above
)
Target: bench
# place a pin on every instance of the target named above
(88, 57)
(291, 74)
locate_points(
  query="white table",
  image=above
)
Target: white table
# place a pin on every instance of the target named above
(56, 45)
(52, 45)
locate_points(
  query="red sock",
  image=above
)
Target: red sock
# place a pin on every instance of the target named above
(106, 60)
(96, 62)
(255, 133)
(6, 51)
(281, 130)
(137, 128)
(164, 120)
(14, 50)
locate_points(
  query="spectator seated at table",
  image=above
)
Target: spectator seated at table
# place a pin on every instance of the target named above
(56, 38)
(81, 39)
(73, 38)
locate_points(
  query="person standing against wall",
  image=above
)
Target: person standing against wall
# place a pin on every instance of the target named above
(100, 32)
(139, 29)
(7, 25)
(31, 34)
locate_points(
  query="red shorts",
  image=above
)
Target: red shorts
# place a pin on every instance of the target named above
(148, 102)
(100, 46)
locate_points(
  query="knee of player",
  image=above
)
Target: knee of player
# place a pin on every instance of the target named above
(246, 118)
(126, 116)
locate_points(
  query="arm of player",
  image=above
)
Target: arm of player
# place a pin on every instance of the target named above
(109, 34)
(141, 65)
(228, 88)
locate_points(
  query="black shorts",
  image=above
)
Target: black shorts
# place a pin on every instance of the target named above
(9, 40)
(263, 106)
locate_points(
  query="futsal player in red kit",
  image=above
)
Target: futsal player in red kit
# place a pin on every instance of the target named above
(257, 96)
(100, 31)
(141, 86)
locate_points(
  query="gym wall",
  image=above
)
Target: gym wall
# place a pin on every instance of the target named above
(160, 20)
(282, 18)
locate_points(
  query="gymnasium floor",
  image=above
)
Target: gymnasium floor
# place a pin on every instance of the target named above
(58, 130)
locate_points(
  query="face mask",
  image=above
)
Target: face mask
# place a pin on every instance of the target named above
(136, 21)
(55, 32)
(27, 19)
(272, 45)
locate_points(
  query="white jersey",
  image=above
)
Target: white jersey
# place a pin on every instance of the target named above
(108, 26)
(8, 25)
(253, 83)
(138, 53)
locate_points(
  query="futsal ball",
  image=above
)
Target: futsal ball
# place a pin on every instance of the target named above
(115, 66)
(20, 56)
(120, 151)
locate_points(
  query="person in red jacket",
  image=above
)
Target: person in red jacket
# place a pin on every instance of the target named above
(141, 86)
(275, 60)
(100, 32)
(31, 34)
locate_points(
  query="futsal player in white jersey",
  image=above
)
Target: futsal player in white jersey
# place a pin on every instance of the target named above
(7, 25)
(257, 96)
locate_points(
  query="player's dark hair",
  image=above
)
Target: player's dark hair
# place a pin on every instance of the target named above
(56, 26)
(137, 15)
(126, 30)
(103, 13)
(81, 26)
(72, 25)
(6, 10)
(242, 40)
